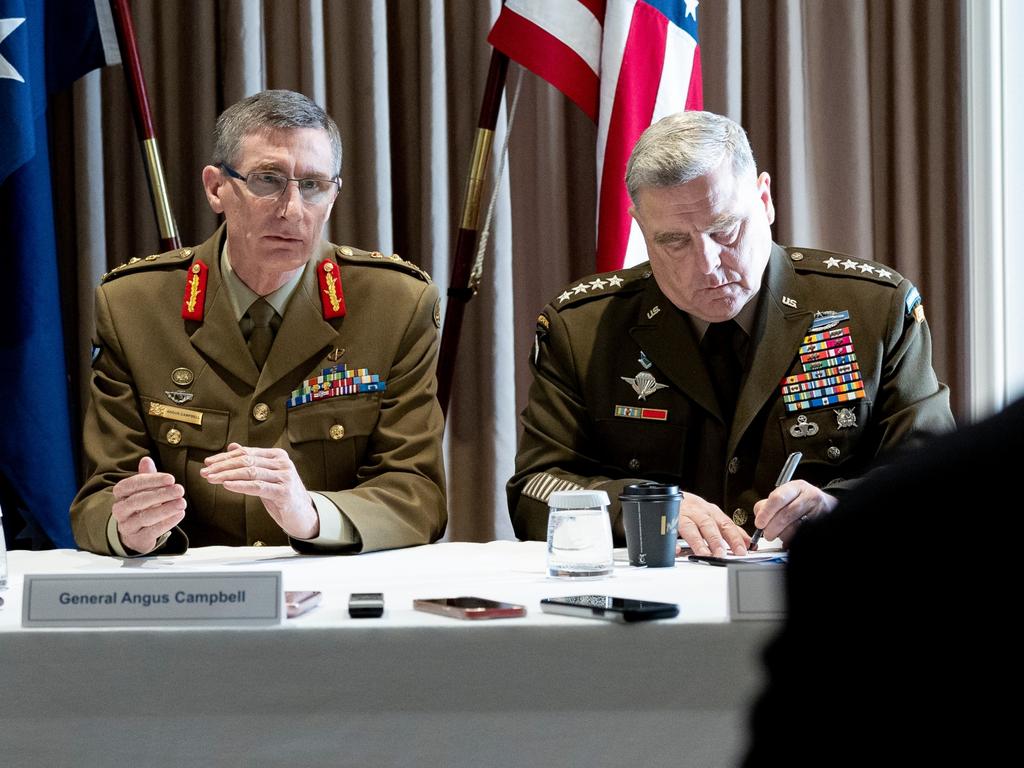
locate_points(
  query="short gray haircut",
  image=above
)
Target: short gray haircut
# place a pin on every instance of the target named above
(270, 111)
(684, 146)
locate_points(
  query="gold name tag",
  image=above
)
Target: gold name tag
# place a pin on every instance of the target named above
(187, 415)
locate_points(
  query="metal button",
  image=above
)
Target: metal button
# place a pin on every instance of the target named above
(739, 516)
(257, 543)
(173, 436)
(833, 453)
(634, 464)
(336, 431)
(261, 412)
(647, 274)
(796, 256)
(734, 465)
(134, 260)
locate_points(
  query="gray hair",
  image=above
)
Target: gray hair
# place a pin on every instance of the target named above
(684, 146)
(270, 111)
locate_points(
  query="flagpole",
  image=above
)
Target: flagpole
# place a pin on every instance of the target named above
(168, 230)
(461, 287)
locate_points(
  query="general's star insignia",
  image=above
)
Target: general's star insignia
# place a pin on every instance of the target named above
(643, 384)
(564, 297)
(581, 288)
(832, 262)
(849, 264)
(615, 280)
(884, 273)
(598, 284)
(866, 268)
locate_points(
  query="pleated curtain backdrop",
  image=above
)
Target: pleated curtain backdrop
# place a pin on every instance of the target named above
(853, 107)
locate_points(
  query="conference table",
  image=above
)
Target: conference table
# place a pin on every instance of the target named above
(407, 689)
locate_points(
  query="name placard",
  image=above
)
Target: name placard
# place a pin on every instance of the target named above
(757, 591)
(198, 599)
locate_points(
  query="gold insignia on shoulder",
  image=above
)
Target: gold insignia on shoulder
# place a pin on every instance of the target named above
(376, 255)
(328, 267)
(195, 269)
(919, 313)
(154, 257)
(134, 259)
(437, 313)
(346, 251)
(543, 322)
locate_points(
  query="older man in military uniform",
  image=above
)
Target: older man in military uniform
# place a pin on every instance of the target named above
(265, 386)
(710, 364)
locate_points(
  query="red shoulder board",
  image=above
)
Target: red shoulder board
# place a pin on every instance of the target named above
(194, 301)
(332, 299)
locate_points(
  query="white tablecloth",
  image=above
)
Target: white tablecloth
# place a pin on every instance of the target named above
(408, 689)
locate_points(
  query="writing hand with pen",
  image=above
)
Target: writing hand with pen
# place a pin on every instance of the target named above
(789, 505)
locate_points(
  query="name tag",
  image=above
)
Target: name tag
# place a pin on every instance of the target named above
(187, 415)
(197, 599)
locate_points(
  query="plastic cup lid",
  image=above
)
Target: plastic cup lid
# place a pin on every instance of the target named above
(582, 499)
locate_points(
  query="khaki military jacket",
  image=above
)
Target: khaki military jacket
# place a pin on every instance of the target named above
(376, 455)
(585, 425)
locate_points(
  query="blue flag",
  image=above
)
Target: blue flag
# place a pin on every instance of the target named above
(44, 47)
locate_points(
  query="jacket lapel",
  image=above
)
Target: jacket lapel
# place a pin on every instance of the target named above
(218, 336)
(778, 332)
(666, 336)
(304, 333)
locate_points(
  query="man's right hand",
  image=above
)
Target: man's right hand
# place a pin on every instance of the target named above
(146, 506)
(708, 530)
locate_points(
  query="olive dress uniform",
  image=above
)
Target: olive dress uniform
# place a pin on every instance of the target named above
(180, 390)
(621, 392)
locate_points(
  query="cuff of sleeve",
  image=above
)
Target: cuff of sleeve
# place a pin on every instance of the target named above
(118, 549)
(335, 527)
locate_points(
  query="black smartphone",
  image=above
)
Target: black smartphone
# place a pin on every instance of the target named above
(297, 603)
(620, 609)
(470, 608)
(366, 605)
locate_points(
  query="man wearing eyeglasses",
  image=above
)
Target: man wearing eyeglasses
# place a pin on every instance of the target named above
(265, 387)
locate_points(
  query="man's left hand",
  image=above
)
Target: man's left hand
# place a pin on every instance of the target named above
(779, 515)
(269, 474)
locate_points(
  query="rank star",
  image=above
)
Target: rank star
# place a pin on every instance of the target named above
(866, 268)
(564, 297)
(884, 273)
(832, 262)
(849, 264)
(615, 280)
(598, 284)
(581, 288)
(7, 70)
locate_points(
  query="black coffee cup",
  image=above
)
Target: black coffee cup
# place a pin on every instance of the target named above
(650, 515)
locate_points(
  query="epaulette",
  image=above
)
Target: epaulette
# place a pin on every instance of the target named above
(604, 284)
(829, 263)
(377, 258)
(175, 258)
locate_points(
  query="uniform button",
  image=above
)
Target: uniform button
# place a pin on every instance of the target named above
(734, 465)
(796, 256)
(833, 453)
(261, 412)
(647, 274)
(257, 543)
(173, 436)
(336, 431)
(634, 464)
(739, 516)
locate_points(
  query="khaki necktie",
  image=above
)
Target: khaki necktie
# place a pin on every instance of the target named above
(261, 336)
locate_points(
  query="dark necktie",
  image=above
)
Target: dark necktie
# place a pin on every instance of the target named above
(261, 335)
(722, 348)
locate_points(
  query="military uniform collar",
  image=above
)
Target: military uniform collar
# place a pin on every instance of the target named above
(242, 296)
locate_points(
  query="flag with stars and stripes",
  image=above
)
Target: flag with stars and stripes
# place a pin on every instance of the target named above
(626, 63)
(44, 47)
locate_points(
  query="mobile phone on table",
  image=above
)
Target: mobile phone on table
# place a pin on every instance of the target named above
(619, 609)
(366, 605)
(298, 603)
(470, 608)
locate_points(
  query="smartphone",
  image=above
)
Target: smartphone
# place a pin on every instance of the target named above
(470, 608)
(298, 603)
(619, 609)
(366, 605)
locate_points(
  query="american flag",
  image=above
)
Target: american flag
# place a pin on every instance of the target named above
(626, 63)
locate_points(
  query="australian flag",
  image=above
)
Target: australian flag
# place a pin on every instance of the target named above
(44, 47)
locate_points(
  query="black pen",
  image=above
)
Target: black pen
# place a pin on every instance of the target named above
(784, 477)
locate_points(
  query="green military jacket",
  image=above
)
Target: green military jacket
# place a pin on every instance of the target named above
(181, 390)
(586, 426)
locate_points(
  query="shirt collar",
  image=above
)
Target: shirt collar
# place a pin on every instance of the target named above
(242, 296)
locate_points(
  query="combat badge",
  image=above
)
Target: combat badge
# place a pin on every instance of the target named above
(332, 299)
(643, 384)
(846, 418)
(193, 303)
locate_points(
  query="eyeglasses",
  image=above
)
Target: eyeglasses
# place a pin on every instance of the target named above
(269, 184)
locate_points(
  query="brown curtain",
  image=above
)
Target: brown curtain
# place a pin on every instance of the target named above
(853, 107)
